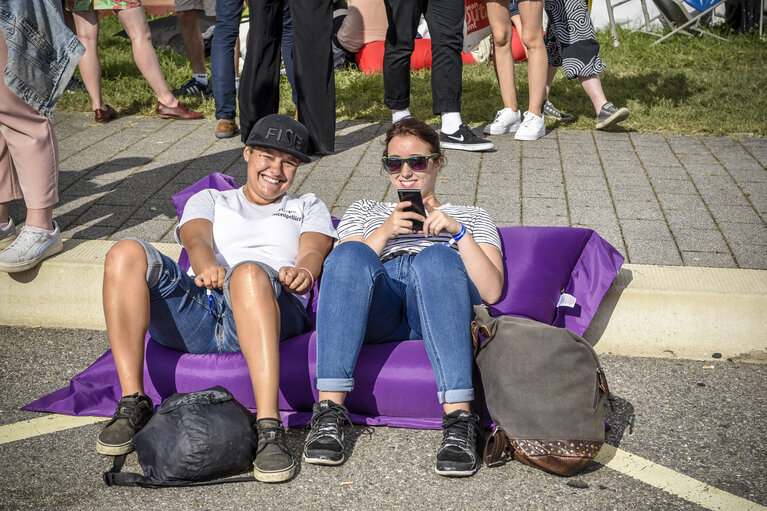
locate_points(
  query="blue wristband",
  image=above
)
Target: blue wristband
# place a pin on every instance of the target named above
(457, 237)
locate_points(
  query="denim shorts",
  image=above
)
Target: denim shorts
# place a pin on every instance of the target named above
(181, 319)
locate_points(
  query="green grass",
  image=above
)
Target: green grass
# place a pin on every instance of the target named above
(682, 86)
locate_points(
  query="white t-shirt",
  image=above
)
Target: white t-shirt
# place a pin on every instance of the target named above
(365, 216)
(243, 231)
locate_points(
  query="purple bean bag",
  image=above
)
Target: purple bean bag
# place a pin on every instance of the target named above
(394, 383)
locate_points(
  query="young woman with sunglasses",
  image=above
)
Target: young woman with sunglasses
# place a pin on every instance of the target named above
(387, 282)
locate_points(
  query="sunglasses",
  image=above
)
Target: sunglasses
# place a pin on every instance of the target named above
(393, 164)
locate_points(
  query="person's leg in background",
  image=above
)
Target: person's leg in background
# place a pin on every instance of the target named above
(508, 119)
(287, 52)
(580, 57)
(313, 68)
(69, 20)
(223, 67)
(29, 169)
(260, 79)
(187, 15)
(87, 28)
(548, 108)
(531, 13)
(445, 20)
(135, 24)
(403, 16)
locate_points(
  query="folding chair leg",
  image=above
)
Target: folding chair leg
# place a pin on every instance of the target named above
(611, 16)
(713, 35)
(690, 22)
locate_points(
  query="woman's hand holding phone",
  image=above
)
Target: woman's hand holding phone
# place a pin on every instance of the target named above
(401, 221)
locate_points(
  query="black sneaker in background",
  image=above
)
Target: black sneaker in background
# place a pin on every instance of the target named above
(273, 463)
(132, 414)
(464, 140)
(551, 111)
(192, 88)
(457, 456)
(609, 116)
(325, 445)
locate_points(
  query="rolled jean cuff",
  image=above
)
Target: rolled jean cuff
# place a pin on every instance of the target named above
(334, 384)
(154, 264)
(456, 396)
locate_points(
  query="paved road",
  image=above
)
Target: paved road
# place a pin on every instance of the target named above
(684, 435)
(690, 200)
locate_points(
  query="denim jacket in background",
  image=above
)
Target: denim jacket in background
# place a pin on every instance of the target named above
(42, 51)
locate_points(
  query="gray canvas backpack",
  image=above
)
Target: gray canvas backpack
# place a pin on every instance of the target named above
(543, 387)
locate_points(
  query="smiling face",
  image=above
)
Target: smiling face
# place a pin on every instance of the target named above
(404, 146)
(270, 174)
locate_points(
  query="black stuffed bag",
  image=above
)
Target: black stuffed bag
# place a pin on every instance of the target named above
(196, 437)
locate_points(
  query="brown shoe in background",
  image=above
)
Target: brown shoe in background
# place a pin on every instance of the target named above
(226, 128)
(104, 115)
(177, 112)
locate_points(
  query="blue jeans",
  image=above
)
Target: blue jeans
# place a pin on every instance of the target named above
(427, 296)
(287, 50)
(228, 13)
(181, 319)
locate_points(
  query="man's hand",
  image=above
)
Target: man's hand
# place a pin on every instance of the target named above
(211, 277)
(295, 280)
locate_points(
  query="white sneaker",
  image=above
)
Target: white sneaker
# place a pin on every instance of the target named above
(7, 234)
(532, 128)
(506, 121)
(31, 246)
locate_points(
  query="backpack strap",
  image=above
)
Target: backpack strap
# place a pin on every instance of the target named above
(497, 443)
(114, 477)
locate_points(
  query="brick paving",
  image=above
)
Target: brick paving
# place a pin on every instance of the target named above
(664, 200)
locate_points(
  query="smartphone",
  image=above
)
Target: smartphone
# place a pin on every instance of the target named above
(414, 196)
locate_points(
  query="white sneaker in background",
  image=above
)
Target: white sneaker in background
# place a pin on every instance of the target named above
(7, 234)
(506, 121)
(30, 247)
(532, 128)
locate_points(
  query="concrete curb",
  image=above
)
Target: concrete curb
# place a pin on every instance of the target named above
(655, 311)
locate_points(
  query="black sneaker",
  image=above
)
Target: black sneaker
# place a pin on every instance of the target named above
(192, 88)
(609, 115)
(132, 414)
(273, 462)
(325, 445)
(457, 456)
(464, 140)
(550, 110)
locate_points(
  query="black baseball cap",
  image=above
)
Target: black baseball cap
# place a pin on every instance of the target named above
(283, 133)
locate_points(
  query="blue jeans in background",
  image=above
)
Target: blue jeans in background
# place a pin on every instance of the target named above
(287, 50)
(179, 315)
(228, 14)
(427, 296)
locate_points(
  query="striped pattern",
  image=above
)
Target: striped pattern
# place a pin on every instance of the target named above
(570, 38)
(365, 216)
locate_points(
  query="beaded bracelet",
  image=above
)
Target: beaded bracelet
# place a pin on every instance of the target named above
(310, 275)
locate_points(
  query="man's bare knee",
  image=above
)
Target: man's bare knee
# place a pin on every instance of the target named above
(249, 279)
(124, 257)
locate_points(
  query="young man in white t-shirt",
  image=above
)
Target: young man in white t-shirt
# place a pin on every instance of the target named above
(254, 253)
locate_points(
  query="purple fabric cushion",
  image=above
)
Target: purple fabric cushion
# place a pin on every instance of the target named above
(394, 383)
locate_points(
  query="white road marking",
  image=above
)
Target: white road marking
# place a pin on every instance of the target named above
(621, 461)
(43, 425)
(673, 482)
